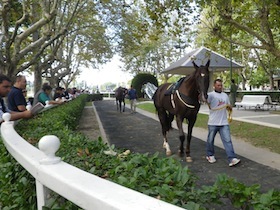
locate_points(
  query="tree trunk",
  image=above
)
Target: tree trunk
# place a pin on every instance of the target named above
(271, 82)
(37, 78)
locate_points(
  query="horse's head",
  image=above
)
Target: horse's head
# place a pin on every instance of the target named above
(202, 80)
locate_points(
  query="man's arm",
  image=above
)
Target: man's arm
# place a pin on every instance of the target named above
(21, 108)
(20, 115)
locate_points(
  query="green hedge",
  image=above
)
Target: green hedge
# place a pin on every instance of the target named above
(95, 97)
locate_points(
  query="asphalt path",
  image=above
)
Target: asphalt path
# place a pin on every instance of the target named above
(142, 134)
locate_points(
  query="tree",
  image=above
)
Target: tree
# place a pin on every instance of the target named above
(253, 24)
(148, 31)
(17, 43)
(33, 35)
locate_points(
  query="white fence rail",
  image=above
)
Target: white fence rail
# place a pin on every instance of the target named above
(84, 189)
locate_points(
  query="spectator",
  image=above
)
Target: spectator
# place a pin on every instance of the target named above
(65, 94)
(132, 95)
(44, 97)
(16, 99)
(58, 93)
(218, 102)
(5, 87)
(35, 99)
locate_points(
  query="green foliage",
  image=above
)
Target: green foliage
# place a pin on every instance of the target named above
(17, 186)
(140, 79)
(244, 197)
(240, 30)
(258, 78)
(95, 97)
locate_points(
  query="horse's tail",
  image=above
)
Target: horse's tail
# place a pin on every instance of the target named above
(166, 120)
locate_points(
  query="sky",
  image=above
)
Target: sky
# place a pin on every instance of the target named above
(110, 72)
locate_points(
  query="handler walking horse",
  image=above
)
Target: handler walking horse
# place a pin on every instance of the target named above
(182, 102)
(120, 93)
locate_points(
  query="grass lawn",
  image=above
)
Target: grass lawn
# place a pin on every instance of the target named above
(257, 135)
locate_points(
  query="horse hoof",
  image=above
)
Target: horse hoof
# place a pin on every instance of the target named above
(189, 159)
(180, 153)
(169, 153)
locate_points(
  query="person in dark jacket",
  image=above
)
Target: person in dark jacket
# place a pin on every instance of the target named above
(16, 99)
(5, 87)
(132, 95)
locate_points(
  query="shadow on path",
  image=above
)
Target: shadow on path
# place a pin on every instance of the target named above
(142, 134)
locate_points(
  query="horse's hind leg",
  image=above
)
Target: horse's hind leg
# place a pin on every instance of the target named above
(162, 115)
(117, 105)
(166, 146)
(123, 105)
(120, 103)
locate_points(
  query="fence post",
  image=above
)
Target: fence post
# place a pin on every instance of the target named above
(42, 194)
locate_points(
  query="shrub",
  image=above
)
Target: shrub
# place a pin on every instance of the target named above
(140, 79)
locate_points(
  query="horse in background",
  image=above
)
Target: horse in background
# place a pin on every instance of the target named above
(182, 100)
(120, 94)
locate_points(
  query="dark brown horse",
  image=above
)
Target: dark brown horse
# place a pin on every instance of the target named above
(183, 101)
(120, 93)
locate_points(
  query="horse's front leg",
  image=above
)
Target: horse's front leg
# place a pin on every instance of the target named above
(189, 138)
(179, 122)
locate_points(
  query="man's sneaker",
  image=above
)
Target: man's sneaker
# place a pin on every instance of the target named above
(211, 159)
(233, 162)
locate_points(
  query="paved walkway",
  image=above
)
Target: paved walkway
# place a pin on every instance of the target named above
(141, 132)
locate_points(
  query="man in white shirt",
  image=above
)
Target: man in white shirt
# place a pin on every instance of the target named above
(218, 102)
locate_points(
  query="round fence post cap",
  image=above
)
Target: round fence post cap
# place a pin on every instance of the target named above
(49, 144)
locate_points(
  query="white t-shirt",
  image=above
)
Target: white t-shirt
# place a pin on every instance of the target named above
(218, 103)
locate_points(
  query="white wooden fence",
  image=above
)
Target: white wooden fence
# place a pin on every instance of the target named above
(84, 189)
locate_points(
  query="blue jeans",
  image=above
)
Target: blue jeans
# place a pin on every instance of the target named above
(226, 139)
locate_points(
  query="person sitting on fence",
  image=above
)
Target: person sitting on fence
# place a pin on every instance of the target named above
(44, 97)
(16, 99)
(58, 94)
(5, 87)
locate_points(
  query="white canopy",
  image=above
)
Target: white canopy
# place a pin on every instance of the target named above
(200, 56)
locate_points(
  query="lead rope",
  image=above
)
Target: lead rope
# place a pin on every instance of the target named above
(227, 107)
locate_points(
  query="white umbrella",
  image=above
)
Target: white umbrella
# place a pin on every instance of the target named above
(200, 56)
